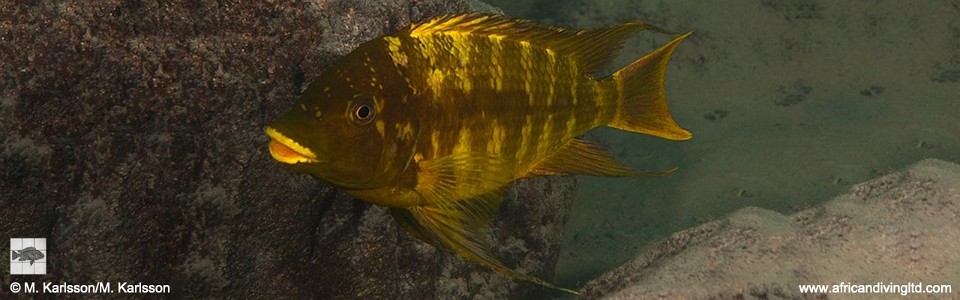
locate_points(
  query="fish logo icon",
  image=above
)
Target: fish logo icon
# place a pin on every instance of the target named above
(28, 253)
(28, 256)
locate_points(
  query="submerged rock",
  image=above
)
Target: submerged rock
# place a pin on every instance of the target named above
(131, 138)
(900, 228)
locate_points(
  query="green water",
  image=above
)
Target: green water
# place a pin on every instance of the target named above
(790, 102)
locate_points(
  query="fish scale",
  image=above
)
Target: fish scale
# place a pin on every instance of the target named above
(481, 101)
(434, 121)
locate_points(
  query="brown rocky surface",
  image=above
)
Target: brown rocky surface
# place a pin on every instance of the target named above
(131, 138)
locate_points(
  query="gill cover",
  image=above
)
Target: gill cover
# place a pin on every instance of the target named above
(352, 127)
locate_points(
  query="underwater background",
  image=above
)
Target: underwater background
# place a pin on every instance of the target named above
(789, 102)
(131, 138)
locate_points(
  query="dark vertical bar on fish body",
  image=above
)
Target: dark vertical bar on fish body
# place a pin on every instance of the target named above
(483, 54)
(509, 96)
(535, 112)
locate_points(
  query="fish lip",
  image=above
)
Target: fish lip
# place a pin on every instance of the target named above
(285, 150)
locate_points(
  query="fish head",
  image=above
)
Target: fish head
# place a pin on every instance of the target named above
(352, 127)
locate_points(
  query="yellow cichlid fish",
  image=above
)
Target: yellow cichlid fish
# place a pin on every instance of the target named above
(437, 119)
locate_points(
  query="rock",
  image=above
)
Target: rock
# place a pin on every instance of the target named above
(365, 247)
(898, 228)
(132, 139)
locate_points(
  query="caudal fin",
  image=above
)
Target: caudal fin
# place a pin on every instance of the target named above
(15, 255)
(643, 104)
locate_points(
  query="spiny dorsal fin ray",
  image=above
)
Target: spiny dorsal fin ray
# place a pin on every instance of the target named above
(591, 48)
(582, 157)
(459, 226)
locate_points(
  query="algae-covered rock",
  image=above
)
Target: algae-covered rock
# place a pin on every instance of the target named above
(131, 138)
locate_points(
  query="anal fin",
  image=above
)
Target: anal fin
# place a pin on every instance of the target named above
(581, 157)
(458, 226)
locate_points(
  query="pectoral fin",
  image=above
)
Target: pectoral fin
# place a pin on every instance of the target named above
(461, 176)
(581, 157)
(459, 226)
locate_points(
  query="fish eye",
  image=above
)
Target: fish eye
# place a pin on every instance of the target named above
(362, 110)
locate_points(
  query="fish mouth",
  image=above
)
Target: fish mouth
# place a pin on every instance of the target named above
(285, 150)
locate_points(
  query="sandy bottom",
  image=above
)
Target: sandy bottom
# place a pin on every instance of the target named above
(789, 102)
(892, 236)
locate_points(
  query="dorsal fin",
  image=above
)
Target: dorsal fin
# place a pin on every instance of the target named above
(591, 48)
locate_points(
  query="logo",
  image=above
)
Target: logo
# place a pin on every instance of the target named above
(28, 256)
